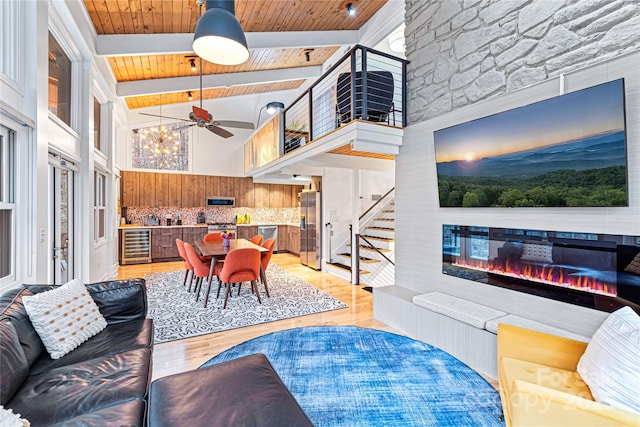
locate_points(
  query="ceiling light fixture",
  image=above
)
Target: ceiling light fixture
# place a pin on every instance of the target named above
(396, 40)
(351, 10)
(271, 107)
(190, 95)
(218, 37)
(192, 62)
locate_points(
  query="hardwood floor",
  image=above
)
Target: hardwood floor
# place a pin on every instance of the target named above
(190, 353)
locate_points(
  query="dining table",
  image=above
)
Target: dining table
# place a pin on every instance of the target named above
(218, 251)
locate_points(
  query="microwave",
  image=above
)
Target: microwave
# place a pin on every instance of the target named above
(221, 201)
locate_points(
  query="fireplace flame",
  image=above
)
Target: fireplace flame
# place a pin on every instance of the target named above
(547, 274)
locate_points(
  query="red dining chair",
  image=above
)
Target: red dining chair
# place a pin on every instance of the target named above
(265, 258)
(212, 238)
(240, 265)
(200, 269)
(257, 239)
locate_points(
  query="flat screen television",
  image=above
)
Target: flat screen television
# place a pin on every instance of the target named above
(569, 150)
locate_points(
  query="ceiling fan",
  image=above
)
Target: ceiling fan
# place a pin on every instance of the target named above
(202, 118)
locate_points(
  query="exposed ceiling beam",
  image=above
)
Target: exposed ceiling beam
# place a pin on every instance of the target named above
(180, 84)
(161, 44)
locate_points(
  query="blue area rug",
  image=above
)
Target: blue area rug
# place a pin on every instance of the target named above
(350, 376)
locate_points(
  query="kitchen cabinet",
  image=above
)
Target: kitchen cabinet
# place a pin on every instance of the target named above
(163, 243)
(294, 239)
(283, 238)
(193, 191)
(261, 195)
(247, 231)
(212, 186)
(162, 190)
(175, 190)
(130, 188)
(245, 195)
(147, 187)
(227, 187)
(276, 196)
(191, 234)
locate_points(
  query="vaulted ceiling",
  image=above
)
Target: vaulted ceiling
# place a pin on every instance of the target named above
(147, 44)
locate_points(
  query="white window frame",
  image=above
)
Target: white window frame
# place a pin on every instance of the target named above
(99, 206)
(8, 194)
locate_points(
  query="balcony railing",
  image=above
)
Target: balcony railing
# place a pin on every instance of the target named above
(365, 84)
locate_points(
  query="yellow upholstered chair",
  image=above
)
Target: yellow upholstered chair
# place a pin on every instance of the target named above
(539, 385)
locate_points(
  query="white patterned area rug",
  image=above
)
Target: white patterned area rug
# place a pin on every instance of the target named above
(177, 315)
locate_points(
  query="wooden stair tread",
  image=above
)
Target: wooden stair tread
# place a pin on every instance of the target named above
(367, 248)
(383, 239)
(346, 267)
(362, 258)
(381, 228)
(384, 219)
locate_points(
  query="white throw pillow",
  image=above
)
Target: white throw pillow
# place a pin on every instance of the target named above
(9, 419)
(537, 253)
(611, 363)
(64, 317)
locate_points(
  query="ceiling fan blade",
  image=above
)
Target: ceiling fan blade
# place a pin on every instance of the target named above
(235, 124)
(219, 131)
(183, 127)
(163, 117)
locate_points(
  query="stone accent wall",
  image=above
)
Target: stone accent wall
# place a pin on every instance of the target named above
(464, 51)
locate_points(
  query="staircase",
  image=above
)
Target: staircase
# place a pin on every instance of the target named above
(376, 249)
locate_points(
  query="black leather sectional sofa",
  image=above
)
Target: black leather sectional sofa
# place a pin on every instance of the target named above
(104, 382)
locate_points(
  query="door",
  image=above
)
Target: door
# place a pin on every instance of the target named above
(61, 213)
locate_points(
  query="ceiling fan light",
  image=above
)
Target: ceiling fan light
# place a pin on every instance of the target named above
(219, 38)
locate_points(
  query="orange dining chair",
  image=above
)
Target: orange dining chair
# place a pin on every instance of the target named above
(240, 265)
(200, 268)
(257, 239)
(212, 237)
(187, 266)
(265, 258)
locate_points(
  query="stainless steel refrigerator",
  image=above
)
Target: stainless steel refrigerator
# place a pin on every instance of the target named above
(310, 228)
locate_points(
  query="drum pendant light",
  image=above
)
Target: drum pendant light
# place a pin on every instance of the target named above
(219, 38)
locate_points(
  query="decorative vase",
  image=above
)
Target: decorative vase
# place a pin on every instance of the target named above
(225, 242)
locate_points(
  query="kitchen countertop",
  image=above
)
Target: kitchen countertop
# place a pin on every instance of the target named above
(262, 224)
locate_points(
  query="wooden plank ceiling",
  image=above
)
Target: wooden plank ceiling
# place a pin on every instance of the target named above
(181, 16)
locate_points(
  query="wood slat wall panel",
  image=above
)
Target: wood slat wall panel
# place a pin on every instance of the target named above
(177, 65)
(176, 97)
(170, 16)
(346, 150)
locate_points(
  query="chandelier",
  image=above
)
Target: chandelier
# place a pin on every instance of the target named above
(161, 147)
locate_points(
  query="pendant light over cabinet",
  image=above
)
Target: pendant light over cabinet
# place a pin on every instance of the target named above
(218, 37)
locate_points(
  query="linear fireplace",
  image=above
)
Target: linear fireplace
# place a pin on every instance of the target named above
(600, 271)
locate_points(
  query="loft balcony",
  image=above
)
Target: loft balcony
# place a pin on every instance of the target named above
(356, 109)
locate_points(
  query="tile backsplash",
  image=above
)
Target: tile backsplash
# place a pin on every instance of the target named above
(137, 215)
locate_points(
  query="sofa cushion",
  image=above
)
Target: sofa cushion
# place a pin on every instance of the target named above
(610, 364)
(129, 413)
(13, 310)
(546, 376)
(64, 317)
(457, 308)
(73, 390)
(14, 368)
(512, 319)
(113, 339)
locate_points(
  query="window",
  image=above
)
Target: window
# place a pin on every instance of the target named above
(7, 205)
(97, 110)
(59, 81)
(99, 208)
(161, 147)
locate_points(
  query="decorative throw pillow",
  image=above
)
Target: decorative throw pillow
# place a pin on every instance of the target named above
(610, 364)
(537, 253)
(64, 317)
(9, 419)
(634, 265)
